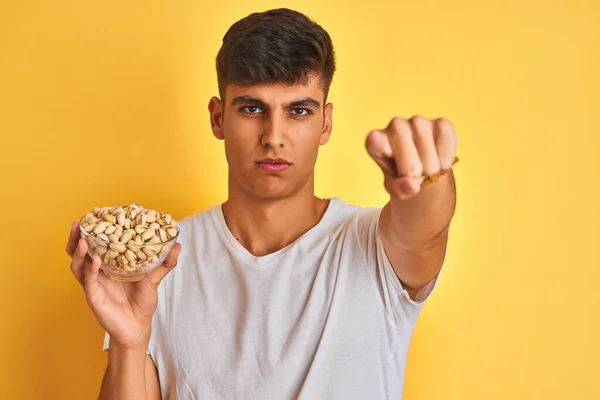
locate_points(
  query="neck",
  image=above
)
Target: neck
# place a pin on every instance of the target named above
(266, 226)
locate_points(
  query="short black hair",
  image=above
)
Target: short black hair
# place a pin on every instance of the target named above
(280, 45)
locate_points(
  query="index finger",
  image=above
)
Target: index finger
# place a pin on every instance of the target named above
(73, 239)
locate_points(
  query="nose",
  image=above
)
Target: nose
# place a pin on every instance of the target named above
(274, 132)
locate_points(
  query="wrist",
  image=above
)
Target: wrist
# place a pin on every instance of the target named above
(140, 343)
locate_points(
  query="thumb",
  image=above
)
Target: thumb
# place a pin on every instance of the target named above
(379, 148)
(156, 276)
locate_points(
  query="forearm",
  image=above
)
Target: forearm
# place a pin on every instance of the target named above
(419, 222)
(125, 374)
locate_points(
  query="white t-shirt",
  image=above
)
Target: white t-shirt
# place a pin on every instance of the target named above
(323, 318)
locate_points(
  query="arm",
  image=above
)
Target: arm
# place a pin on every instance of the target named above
(130, 374)
(414, 223)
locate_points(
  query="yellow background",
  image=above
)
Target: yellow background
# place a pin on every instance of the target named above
(105, 103)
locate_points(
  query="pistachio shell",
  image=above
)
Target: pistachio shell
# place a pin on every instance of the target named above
(163, 235)
(127, 224)
(154, 225)
(121, 218)
(119, 230)
(139, 240)
(141, 255)
(139, 229)
(117, 211)
(110, 229)
(130, 255)
(100, 250)
(148, 233)
(154, 240)
(148, 251)
(118, 246)
(89, 227)
(172, 232)
(110, 255)
(110, 218)
(103, 237)
(168, 218)
(100, 227)
(150, 216)
(89, 218)
(133, 246)
(126, 237)
(161, 221)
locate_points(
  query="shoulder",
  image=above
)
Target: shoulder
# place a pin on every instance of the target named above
(343, 215)
(196, 224)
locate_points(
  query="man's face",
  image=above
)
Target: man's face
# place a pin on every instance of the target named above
(272, 135)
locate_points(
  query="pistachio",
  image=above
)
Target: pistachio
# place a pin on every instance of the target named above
(172, 232)
(100, 227)
(148, 251)
(154, 225)
(126, 237)
(121, 218)
(133, 246)
(117, 211)
(118, 246)
(148, 233)
(130, 255)
(141, 255)
(139, 229)
(113, 238)
(150, 216)
(154, 240)
(110, 229)
(110, 255)
(127, 224)
(163, 235)
(161, 221)
(103, 237)
(110, 218)
(168, 218)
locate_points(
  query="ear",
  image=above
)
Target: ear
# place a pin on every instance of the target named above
(215, 109)
(327, 123)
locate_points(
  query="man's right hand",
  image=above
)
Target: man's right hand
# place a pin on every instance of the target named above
(124, 309)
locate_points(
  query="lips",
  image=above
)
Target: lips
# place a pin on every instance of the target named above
(274, 164)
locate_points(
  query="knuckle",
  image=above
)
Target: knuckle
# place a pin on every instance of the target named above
(399, 124)
(444, 125)
(418, 120)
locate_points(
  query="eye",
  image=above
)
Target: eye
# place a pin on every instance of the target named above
(251, 109)
(301, 112)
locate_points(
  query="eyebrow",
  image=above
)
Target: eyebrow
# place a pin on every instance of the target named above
(253, 101)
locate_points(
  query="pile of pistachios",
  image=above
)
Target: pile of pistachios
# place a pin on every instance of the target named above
(130, 237)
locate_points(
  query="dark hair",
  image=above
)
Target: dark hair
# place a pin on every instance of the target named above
(274, 46)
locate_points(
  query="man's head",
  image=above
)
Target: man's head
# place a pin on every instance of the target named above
(274, 70)
(276, 46)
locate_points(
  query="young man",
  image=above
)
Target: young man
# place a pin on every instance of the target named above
(280, 294)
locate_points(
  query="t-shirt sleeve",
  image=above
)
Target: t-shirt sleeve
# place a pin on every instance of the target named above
(395, 297)
(107, 343)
